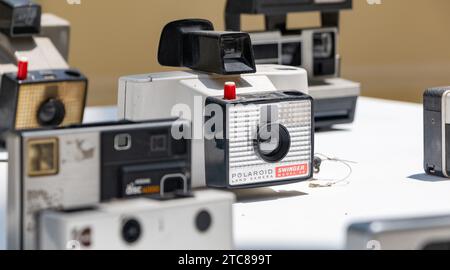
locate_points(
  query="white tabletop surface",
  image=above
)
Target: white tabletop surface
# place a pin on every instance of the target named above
(387, 182)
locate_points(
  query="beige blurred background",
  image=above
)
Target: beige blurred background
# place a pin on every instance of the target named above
(395, 49)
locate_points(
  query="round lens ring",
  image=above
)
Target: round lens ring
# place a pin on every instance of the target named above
(51, 113)
(273, 149)
(131, 231)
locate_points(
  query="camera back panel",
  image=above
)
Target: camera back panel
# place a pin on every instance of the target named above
(81, 166)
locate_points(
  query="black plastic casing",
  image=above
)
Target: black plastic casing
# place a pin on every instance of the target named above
(209, 53)
(433, 132)
(9, 9)
(325, 110)
(173, 42)
(270, 7)
(121, 168)
(276, 11)
(10, 87)
(195, 44)
(217, 150)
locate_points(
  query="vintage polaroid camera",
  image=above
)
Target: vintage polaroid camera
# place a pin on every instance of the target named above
(226, 81)
(436, 102)
(200, 221)
(80, 166)
(37, 87)
(425, 233)
(315, 49)
(47, 98)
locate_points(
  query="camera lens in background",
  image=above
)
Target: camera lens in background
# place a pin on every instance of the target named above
(203, 221)
(273, 148)
(51, 113)
(323, 45)
(131, 231)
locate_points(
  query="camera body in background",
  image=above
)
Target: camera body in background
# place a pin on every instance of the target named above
(35, 78)
(20, 18)
(425, 233)
(202, 221)
(314, 49)
(275, 11)
(436, 102)
(184, 93)
(47, 98)
(78, 167)
(27, 33)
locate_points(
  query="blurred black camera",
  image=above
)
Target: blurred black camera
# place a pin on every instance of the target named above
(275, 11)
(436, 102)
(19, 18)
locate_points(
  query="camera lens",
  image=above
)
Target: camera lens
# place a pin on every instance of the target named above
(203, 221)
(273, 142)
(51, 113)
(131, 231)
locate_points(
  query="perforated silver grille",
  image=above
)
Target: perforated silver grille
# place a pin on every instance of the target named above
(242, 124)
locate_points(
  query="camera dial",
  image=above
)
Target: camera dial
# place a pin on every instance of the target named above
(51, 112)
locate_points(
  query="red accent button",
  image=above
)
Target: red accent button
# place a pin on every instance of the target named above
(230, 91)
(22, 72)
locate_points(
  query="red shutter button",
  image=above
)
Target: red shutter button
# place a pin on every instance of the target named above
(22, 71)
(230, 91)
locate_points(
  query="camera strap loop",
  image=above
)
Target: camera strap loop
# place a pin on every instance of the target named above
(325, 183)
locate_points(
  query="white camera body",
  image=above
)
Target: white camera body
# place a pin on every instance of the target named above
(156, 95)
(203, 221)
